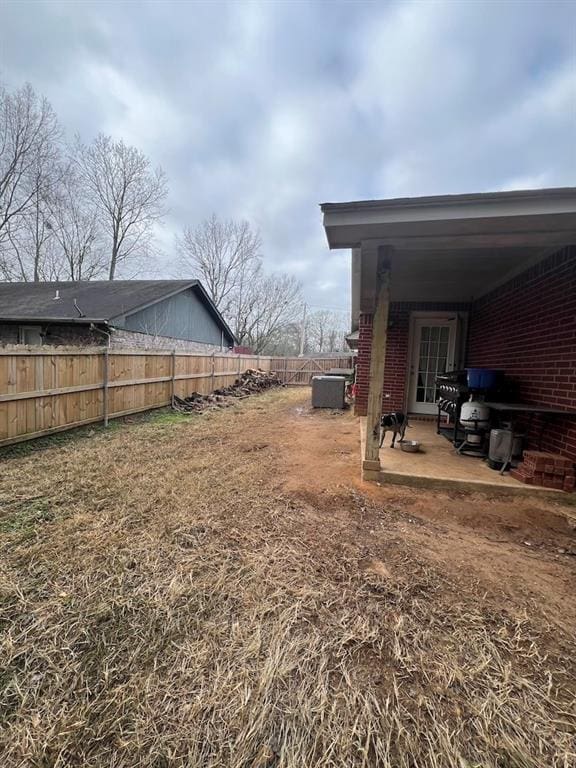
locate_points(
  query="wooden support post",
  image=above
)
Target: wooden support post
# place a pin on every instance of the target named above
(173, 378)
(105, 388)
(212, 374)
(377, 362)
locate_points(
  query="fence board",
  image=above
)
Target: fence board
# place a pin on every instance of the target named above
(50, 390)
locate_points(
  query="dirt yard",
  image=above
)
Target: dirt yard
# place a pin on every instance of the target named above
(222, 591)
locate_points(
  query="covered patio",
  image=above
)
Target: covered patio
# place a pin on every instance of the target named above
(438, 465)
(442, 283)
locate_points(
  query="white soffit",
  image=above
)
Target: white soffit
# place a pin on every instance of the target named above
(524, 218)
(456, 275)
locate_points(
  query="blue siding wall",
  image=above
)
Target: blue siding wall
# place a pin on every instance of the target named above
(183, 316)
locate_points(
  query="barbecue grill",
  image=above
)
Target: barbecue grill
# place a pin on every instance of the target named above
(453, 391)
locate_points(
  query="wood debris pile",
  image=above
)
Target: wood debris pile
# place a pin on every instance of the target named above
(251, 382)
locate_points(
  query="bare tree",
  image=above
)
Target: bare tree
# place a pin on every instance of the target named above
(127, 193)
(29, 132)
(286, 343)
(225, 255)
(29, 150)
(273, 303)
(36, 226)
(75, 224)
(326, 331)
(319, 324)
(55, 216)
(337, 338)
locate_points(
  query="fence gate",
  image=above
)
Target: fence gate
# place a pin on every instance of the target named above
(298, 371)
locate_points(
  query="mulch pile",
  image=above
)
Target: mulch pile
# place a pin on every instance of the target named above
(251, 382)
(548, 469)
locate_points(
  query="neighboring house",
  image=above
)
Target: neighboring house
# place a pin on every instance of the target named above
(148, 314)
(491, 278)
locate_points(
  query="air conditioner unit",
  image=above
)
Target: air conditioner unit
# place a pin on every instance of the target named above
(328, 391)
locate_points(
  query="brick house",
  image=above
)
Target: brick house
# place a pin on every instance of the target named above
(143, 314)
(486, 280)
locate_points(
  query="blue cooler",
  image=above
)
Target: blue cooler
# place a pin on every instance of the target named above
(482, 378)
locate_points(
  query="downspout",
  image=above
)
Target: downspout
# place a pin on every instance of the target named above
(108, 334)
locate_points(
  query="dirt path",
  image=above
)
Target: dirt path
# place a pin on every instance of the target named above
(221, 590)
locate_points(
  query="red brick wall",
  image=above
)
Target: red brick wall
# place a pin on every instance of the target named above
(363, 364)
(396, 368)
(527, 327)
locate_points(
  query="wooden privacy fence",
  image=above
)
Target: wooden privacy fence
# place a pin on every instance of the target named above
(297, 371)
(48, 390)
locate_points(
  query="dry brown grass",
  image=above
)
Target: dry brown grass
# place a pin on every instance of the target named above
(164, 603)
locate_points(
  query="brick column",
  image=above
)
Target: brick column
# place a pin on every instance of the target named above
(363, 364)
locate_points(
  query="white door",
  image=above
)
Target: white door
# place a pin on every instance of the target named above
(433, 348)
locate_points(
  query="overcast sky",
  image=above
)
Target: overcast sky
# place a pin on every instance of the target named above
(262, 110)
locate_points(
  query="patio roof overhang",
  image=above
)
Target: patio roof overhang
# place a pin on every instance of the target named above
(450, 247)
(439, 249)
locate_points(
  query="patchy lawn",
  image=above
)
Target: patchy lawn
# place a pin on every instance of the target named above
(221, 590)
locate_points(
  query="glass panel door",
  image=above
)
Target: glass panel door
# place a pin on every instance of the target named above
(433, 353)
(432, 359)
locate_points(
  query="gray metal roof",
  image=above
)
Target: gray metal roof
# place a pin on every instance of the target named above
(99, 301)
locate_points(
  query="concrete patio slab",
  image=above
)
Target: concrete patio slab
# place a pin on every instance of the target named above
(437, 465)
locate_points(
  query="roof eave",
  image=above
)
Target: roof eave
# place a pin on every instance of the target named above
(515, 217)
(74, 320)
(452, 200)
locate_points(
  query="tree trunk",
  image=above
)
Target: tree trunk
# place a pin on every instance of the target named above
(37, 246)
(113, 262)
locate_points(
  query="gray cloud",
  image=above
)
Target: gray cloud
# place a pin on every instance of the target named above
(263, 110)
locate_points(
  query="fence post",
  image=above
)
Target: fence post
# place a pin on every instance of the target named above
(212, 374)
(105, 388)
(285, 370)
(173, 379)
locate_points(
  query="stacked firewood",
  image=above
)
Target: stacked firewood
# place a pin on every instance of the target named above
(251, 382)
(548, 469)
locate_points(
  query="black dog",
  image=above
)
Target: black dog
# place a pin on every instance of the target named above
(394, 422)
